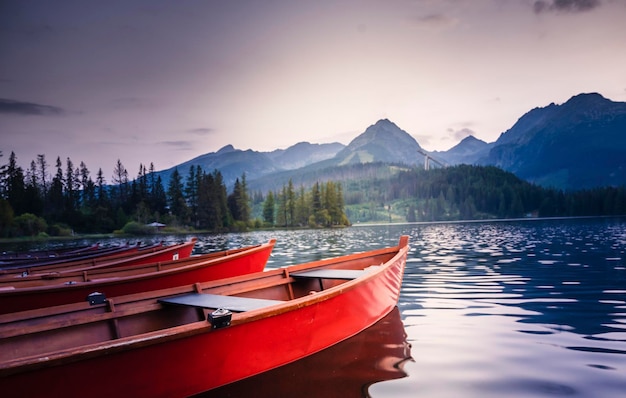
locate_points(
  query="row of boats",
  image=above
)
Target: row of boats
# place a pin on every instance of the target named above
(158, 321)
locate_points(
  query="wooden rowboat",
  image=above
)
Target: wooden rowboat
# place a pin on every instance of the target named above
(125, 258)
(33, 255)
(40, 260)
(186, 340)
(20, 294)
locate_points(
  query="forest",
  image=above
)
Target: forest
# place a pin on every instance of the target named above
(466, 192)
(36, 202)
(61, 201)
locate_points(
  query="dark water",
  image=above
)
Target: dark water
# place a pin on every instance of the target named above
(533, 308)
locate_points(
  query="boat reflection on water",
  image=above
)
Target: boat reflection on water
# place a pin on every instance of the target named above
(345, 370)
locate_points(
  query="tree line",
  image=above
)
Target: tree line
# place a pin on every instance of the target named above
(321, 205)
(37, 202)
(65, 198)
(466, 192)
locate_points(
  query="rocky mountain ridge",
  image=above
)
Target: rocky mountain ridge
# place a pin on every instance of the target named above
(579, 144)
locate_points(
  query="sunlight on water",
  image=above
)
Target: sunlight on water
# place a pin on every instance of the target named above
(516, 310)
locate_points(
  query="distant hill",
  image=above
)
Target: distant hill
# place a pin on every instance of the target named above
(303, 154)
(465, 152)
(233, 163)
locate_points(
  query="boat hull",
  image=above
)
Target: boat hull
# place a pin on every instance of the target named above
(346, 369)
(240, 263)
(123, 257)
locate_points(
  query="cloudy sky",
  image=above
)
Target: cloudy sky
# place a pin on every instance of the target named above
(165, 81)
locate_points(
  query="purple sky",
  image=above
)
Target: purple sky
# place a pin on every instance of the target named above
(165, 81)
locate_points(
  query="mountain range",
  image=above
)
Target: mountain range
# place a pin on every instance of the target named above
(580, 144)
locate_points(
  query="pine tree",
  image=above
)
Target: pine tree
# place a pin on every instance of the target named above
(101, 192)
(269, 208)
(302, 208)
(88, 189)
(32, 192)
(43, 174)
(291, 204)
(177, 204)
(159, 197)
(234, 200)
(120, 181)
(244, 200)
(55, 196)
(13, 185)
(71, 188)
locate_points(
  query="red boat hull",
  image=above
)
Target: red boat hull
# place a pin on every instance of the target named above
(120, 258)
(246, 262)
(346, 369)
(190, 359)
(173, 253)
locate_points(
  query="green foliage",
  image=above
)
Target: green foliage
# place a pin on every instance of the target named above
(473, 192)
(59, 230)
(322, 206)
(6, 218)
(135, 228)
(269, 207)
(28, 224)
(239, 202)
(212, 209)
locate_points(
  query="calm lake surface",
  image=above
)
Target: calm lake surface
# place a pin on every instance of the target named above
(530, 308)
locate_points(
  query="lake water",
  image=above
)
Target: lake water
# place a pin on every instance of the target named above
(528, 308)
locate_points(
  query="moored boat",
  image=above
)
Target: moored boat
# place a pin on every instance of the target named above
(26, 262)
(182, 341)
(34, 255)
(38, 291)
(127, 257)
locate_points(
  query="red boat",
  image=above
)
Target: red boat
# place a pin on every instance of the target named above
(20, 294)
(130, 256)
(33, 255)
(40, 260)
(186, 340)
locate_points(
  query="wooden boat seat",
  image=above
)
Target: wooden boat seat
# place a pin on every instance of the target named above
(232, 303)
(330, 274)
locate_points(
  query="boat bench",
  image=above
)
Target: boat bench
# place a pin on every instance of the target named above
(321, 274)
(215, 301)
(330, 274)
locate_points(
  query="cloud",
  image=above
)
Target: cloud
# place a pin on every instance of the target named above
(29, 108)
(542, 6)
(202, 131)
(459, 135)
(434, 21)
(423, 139)
(179, 145)
(132, 103)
